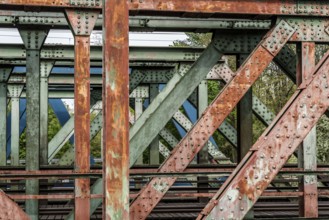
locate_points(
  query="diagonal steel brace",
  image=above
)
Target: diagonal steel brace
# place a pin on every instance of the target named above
(212, 118)
(271, 151)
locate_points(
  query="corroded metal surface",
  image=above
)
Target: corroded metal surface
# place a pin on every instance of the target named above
(82, 123)
(212, 118)
(308, 203)
(82, 23)
(115, 110)
(9, 210)
(272, 149)
(273, 7)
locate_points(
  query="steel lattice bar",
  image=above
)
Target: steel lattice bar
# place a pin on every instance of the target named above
(115, 110)
(214, 115)
(273, 148)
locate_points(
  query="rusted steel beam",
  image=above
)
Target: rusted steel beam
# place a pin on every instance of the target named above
(50, 196)
(82, 23)
(9, 209)
(115, 110)
(212, 118)
(273, 7)
(308, 202)
(82, 124)
(21, 174)
(271, 151)
(210, 195)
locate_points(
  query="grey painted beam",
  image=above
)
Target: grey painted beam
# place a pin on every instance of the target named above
(154, 146)
(33, 41)
(244, 119)
(136, 23)
(14, 93)
(178, 89)
(202, 105)
(4, 75)
(146, 76)
(138, 113)
(45, 69)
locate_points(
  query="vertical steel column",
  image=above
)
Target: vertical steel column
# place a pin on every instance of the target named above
(154, 146)
(116, 109)
(244, 119)
(82, 23)
(15, 92)
(4, 75)
(33, 41)
(244, 124)
(138, 113)
(202, 157)
(45, 69)
(308, 203)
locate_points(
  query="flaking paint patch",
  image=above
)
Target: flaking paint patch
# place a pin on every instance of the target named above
(160, 187)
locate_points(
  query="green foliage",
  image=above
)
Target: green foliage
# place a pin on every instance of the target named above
(322, 141)
(194, 40)
(53, 127)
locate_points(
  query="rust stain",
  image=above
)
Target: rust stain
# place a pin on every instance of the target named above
(10, 210)
(116, 110)
(284, 137)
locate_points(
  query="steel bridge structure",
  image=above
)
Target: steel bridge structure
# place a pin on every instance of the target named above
(130, 95)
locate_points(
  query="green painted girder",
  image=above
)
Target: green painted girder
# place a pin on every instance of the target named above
(4, 76)
(178, 89)
(136, 23)
(242, 44)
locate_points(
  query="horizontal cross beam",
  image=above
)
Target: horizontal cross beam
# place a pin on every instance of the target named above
(251, 7)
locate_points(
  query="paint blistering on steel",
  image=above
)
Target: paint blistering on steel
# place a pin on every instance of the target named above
(116, 110)
(273, 148)
(10, 210)
(212, 118)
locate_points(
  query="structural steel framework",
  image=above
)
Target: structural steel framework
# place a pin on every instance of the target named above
(159, 158)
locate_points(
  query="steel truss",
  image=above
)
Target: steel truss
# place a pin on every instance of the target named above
(258, 32)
